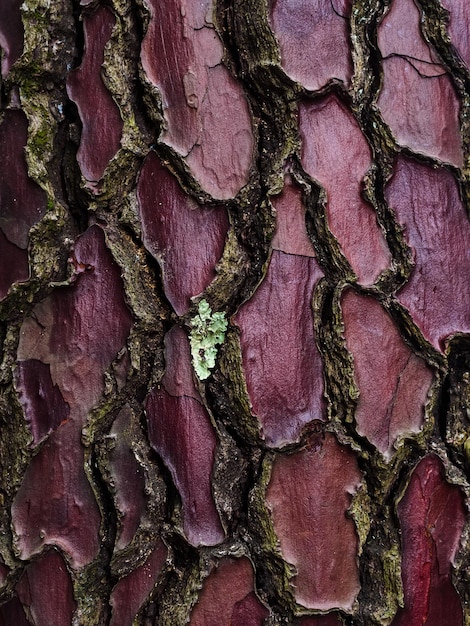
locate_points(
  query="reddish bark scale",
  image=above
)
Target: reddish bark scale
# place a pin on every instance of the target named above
(207, 114)
(459, 26)
(328, 131)
(393, 382)
(14, 267)
(418, 100)
(291, 233)
(45, 589)
(178, 379)
(432, 518)
(11, 33)
(22, 201)
(281, 362)
(131, 592)
(227, 597)
(308, 495)
(43, 405)
(102, 123)
(181, 432)
(314, 40)
(185, 238)
(77, 331)
(128, 478)
(55, 504)
(428, 205)
(12, 613)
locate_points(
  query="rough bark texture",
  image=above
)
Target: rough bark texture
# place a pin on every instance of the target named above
(234, 305)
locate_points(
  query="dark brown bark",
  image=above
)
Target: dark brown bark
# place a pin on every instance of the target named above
(234, 308)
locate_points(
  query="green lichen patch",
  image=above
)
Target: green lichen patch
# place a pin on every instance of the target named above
(207, 333)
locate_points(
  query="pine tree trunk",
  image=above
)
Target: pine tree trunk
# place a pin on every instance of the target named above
(234, 312)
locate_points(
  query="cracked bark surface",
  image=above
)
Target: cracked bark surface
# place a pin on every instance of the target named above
(284, 184)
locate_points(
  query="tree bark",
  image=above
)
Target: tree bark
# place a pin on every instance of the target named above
(234, 312)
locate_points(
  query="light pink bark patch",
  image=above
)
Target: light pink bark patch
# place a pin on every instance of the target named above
(11, 33)
(131, 592)
(432, 518)
(99, 113)
(393, 382)
(400, 33)
(46, 590)
(459, 26)
(428, 205)
(128, 478)
(22, 201)
(185, 238)
(314, 40)
(228, 597)
(291, 233)
(181, 432)
(207, 114)
(320, 620)
(328, 131)
(281, 362)
(417, 100)
(77, 332)
(308, 495)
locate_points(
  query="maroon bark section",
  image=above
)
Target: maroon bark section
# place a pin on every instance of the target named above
(14, 267)
(181, 432)
(43, 404)
(308, 495)
(432, 518)
(45, 589)
(328, 130)
(393, 382)
(12, 613)
(459, 27)
(208, 120)
(128, 479)
(131, 592)
(11, 33)
(99, 113)
(77, 331)
(418, 100)
(291, 233)
(186, 239)
(55, 504)
(227, 597)
(428, 205)
(22, 201)
(282, 365)
(314, 40)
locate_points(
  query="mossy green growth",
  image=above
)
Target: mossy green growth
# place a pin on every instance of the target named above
(207, 333)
